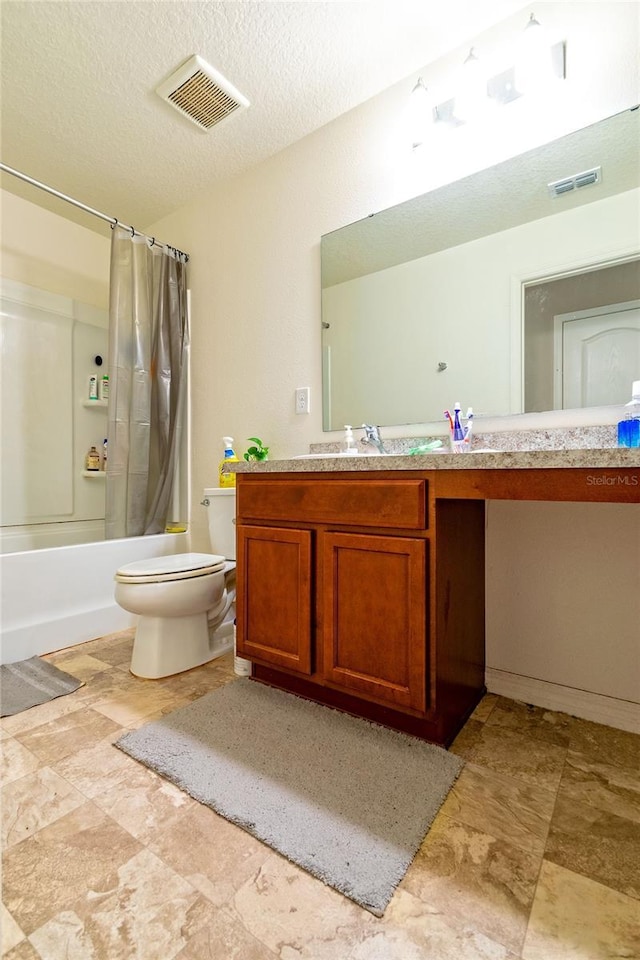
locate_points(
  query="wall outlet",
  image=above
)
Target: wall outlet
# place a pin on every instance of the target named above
(303, 404)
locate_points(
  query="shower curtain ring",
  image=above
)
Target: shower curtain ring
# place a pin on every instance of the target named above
(132, 232)
(115, 223)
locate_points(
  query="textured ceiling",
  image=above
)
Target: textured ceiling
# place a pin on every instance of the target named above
(79, 111)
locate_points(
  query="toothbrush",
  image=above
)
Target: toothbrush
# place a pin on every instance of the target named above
(448, 416)
(469, 427)
(458, 433)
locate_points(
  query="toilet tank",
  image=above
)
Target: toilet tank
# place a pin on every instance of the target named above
(221, 512)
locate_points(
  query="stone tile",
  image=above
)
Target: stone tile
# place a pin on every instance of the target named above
(135, 703)
(112, 682)
(68, 734)
(285, 908)
(116, 651)
(33, 802)
(214, 855)
(614, 789)
(530, 721)
(475, 880)
(10, 932)
(525, 758)
(574, 918)
(296, 922)
(24, 951)
(97, 768)
(596, 844)
(110, 641)
(43, 713)
(468, 737)
(225, 939)
(412, 930)
(605, 744)
(143, 803)
(79, 665)
(503, 807)
(74, 857)
(147, 912)
(483, 711)
(17, 761)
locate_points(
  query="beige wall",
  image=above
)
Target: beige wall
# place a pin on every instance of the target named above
(255, 280)
(49, 252)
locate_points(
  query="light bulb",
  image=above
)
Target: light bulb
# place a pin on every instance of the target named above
(471, 96)
(533, 67)
(420, 115)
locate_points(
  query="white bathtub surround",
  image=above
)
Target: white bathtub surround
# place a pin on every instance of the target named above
(56, 598)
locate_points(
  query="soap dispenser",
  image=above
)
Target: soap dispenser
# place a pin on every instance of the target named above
(629, 426)
(349, 444)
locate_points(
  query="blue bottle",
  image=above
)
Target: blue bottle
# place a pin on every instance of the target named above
(629, 426)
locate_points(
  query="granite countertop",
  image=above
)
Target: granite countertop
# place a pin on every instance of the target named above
(612, 457)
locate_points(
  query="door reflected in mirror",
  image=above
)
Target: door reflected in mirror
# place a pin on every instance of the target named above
(452, 295)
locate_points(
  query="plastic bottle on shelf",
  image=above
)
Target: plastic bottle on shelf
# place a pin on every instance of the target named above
(629, 426)
(227, 479)
(93, 387)
(92, 461)
(103, 388)
(104, 454)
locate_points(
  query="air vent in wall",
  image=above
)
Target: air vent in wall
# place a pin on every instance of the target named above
(201, 94)
(579, 180)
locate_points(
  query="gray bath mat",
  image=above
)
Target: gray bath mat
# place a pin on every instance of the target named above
(347, 800)
(29, 682)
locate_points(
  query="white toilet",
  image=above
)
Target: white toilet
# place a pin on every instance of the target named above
(185, 601)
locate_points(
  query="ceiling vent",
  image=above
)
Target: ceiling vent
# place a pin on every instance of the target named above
(200, 93)
(587, 179)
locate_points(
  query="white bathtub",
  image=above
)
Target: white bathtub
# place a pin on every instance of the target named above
(58, 597)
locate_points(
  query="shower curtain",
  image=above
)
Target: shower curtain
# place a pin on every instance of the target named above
(148, 351)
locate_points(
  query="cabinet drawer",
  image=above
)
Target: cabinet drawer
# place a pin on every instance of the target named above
(370, 503)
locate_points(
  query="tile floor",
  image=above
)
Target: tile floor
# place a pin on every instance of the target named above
(535, 854)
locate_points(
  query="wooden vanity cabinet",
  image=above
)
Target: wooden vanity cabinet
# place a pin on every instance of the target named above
(348, 592)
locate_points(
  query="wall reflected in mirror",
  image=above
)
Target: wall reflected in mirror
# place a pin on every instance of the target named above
(472, 292)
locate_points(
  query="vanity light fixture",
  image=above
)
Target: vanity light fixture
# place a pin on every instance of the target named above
(535, 62)
(420, 113)
(533, 58)
(471, 98)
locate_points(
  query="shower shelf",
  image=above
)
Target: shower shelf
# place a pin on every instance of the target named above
(94, 474)
(95, 403)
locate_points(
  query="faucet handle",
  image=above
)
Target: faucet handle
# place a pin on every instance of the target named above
(371, 434)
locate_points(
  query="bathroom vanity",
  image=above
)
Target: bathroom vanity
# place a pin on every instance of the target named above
(361, 584)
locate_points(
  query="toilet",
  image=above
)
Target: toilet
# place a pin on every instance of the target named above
(184, 602)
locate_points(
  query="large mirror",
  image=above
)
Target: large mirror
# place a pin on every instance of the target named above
(488, 289)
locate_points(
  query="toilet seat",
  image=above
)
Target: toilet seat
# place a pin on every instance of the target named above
(181, 566)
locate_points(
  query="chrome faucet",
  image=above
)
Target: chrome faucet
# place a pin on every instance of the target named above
(372, 436)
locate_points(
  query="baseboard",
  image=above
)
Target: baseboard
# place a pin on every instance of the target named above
(622, 714)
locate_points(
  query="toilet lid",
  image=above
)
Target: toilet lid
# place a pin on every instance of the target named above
(180, 566)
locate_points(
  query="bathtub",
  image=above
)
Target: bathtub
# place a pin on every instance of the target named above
(61, 596)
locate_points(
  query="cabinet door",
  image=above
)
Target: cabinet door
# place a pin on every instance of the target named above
(374, 617)
(273, 606)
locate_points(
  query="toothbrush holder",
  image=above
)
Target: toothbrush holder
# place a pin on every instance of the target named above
(460, 446)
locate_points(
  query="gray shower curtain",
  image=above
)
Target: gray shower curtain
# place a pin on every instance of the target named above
(148, 351)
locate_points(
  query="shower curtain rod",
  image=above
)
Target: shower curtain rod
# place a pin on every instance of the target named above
(96, 213)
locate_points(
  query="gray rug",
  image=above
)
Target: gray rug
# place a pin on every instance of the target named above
(347, 800)
(29, 682)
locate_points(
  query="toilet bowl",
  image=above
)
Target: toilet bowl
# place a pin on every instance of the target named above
(184, 602)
